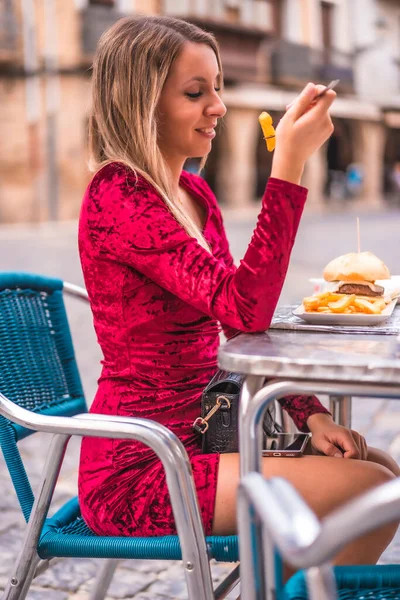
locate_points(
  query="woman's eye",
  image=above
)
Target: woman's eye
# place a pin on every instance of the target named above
(199, 93)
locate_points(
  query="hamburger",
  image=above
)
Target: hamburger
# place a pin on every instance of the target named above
(356, 273)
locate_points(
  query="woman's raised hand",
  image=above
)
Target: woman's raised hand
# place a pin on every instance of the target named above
(301, 131)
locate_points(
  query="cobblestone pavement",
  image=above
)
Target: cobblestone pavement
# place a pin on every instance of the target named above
(51, 250)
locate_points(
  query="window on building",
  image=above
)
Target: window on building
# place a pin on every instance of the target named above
(232, 11)
(327, 24)
(398, 52)
(103, 2)
(398, 35)
(277, 16)
(232, 15)
(258, 13)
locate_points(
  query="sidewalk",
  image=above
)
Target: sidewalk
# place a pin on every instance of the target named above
(51, 250)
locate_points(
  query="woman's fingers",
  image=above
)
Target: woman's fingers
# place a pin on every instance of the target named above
(365, 448)
(319, 89)
(343, 439)
(328, 449)
(324, 103)
(303, 129)
(361, 443)
(304, 99)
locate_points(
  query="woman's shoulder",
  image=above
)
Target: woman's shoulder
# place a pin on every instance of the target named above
(119, 176)
(122, 202)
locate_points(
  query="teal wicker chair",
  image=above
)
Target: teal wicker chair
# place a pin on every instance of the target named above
(40, 390)
(353, 583)
(309, 544)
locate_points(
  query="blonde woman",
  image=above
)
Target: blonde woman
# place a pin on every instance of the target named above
(161, 282)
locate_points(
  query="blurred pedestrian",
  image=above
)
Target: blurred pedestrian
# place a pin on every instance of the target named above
(354, 179)
(396, 179)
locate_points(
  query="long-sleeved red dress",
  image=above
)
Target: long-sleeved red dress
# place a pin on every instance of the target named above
(158, 301)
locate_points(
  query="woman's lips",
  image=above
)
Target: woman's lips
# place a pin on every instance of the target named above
(208, 132)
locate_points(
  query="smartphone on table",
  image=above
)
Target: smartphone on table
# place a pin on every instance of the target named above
(286, 445)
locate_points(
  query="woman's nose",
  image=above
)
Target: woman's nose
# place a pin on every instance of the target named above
(217, 108)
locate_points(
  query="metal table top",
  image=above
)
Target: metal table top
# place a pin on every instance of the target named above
(366, 358)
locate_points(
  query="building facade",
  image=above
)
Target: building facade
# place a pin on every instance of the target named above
(270, 50)
(377, 43)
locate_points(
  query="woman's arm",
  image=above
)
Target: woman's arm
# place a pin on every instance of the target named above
(130, 223)
(301, 408)
(223, 251)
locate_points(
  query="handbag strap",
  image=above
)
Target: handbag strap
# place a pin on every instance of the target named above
(201, 423)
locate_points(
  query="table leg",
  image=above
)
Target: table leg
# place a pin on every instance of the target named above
(340, 407)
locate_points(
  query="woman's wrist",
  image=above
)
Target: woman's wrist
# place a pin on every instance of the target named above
(318, 420)
(286, 170)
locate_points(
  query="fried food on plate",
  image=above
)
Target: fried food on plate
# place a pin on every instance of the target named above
(354, 289)
(330, 302)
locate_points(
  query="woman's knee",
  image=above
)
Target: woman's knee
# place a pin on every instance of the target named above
(349, 479)
(383, 458)
(376, 473)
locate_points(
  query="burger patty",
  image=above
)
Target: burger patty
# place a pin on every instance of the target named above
(359, 289)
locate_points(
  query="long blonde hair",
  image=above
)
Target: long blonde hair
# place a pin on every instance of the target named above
(131, 64)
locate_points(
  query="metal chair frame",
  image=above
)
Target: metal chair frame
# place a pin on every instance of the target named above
(303, 540)
(254, 401)
(179, 480)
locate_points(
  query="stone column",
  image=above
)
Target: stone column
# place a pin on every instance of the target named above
(237, 157)
(369, 150)
(314, 178)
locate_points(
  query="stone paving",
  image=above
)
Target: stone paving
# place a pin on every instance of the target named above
(52, 250)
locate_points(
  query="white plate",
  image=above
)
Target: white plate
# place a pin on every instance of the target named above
(344, 319)
(390, 285)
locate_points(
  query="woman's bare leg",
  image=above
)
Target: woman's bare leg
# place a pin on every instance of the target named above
(324, 482)
(383, 458)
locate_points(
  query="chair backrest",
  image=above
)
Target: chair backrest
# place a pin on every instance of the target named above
(38, 370)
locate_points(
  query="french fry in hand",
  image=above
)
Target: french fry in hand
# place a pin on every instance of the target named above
(268, 130)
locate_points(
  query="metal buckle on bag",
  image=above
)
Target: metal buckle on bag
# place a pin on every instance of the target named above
(201, 425)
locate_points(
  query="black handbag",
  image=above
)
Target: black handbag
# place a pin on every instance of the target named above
(218, 423)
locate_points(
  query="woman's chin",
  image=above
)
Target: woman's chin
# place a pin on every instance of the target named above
(201, 149)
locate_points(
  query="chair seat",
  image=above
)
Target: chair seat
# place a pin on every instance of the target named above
(381, 582)
(66, 534)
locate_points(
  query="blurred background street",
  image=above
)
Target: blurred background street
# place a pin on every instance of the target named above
(270, 50)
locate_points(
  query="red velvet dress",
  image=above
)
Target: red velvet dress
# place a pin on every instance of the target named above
(159, 301)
